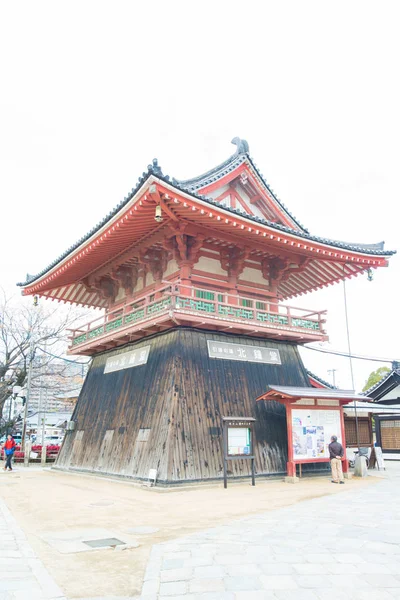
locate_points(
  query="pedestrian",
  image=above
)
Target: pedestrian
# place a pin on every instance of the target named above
(9, 449)
(336, 453)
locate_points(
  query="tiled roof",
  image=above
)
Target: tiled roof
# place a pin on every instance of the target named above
(395, 374)
(155, 169)
(310, 392)
(152, 169)
(229, 165)
(328, 385)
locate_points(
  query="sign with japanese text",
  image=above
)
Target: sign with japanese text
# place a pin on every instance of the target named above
(134, 358)
(243, 352)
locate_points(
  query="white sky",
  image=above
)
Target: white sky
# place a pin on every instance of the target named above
(92, 91)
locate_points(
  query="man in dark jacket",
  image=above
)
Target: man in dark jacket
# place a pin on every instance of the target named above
(336, 453)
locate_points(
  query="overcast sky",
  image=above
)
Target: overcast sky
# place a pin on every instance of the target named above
(92, 91)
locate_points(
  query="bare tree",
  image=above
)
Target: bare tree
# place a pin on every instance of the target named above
(27, 331)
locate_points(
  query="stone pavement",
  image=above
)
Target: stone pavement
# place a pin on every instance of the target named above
(22, 574)
(339, 547)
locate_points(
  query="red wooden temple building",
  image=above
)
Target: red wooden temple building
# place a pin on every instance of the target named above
(196, 281)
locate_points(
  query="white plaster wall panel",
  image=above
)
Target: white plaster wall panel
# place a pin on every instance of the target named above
(172, 267)
(392, 395)
(121, 295)
(252, 275)
(139, 285)
(210, 266)
(215, 193)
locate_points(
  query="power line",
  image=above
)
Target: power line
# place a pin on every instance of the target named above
(75, 362)
(347, 355)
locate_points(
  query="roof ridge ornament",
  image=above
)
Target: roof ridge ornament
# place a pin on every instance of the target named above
(155, 168)
(242, 147)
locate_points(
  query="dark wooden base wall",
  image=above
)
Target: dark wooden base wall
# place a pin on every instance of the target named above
(167, 414)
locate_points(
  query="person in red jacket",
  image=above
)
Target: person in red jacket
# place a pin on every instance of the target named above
(9, 449)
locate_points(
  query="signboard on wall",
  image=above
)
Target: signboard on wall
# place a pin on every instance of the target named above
(243, 352)
(126, 360)
(239, 441)
(312, 431)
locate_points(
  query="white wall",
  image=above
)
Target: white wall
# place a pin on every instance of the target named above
(172, 267)
(253, 275)
(210, 266)
(393, 395)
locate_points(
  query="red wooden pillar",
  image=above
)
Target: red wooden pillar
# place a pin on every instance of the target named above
(345, 464)
(233, 293)
(291, 465)
(273, 302)
(185, 273)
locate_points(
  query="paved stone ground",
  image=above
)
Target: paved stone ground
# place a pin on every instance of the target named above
(343, 547)
(337, 547)
(22, 574)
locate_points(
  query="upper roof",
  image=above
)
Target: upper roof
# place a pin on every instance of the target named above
(240, 157)
(103, 243)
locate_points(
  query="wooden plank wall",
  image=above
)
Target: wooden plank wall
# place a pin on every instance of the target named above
(167, 414)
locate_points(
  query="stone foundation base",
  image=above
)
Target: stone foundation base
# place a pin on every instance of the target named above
(292, 479)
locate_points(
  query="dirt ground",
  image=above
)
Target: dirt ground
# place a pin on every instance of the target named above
(51, 501)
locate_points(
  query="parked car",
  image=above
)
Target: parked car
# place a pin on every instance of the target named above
(53, 440)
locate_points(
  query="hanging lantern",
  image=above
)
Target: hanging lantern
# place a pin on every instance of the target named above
(370, 275)
(158, 216)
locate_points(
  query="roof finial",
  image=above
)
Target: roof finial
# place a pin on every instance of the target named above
(242, 145)
(155, 168)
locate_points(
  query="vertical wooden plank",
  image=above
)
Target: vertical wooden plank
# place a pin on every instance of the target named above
(181, 395)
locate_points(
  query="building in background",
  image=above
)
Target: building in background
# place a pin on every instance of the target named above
(318, 382)
(54, 385)
(386, 393)
(48, 428)
(193, 278)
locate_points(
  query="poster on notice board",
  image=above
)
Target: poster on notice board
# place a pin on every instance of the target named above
(312, 431)
(239, 441)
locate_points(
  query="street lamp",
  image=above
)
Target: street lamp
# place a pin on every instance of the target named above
(15, 393)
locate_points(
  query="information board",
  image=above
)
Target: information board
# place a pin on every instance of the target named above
(312, 431)
(379, 457)
(126, 360)
(243, 352)
(239, 441)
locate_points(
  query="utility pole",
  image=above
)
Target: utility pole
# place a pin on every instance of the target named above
(40, 397)
(44, 418)
(333, 371)
(350, 360)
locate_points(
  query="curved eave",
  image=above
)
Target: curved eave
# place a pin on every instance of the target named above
(134, 222)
